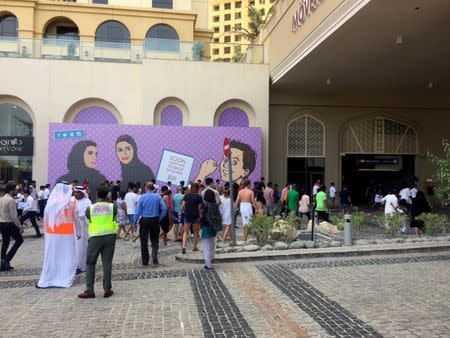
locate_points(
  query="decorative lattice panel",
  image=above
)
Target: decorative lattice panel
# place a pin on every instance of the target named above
(306, 137)
(380, 136)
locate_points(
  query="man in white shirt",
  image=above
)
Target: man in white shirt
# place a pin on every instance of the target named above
(413, 192)
(316, 187)
(332, 194)
(29, 211)
(131, 200)
(391, 203)
(210, 186)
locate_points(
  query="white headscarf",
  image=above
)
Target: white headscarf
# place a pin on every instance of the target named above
(57, 202)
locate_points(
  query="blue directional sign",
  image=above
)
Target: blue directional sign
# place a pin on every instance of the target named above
(70, 134)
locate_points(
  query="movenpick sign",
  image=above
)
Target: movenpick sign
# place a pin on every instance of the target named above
(305, 9)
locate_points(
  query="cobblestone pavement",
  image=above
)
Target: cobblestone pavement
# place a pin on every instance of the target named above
(390, 295)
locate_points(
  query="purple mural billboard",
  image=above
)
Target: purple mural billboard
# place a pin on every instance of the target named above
(133, 153)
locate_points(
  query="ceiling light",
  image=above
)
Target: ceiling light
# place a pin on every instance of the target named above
(430, 85)
(328, 81)
(399, 40)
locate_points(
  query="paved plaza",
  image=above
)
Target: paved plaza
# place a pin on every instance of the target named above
(372, 296)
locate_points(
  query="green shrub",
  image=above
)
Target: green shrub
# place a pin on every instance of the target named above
(442, 174)
(260, 227)
(294, 221)
(338, 221)
(359, 222)
(434, 223)
(391, 224)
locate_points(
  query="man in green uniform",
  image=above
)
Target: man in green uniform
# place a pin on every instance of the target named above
(321, 204)
(102, 240)
(292, 200)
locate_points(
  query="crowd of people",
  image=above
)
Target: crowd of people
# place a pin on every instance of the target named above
(78, 228)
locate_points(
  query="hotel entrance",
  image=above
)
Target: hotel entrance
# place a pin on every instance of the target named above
(378, 154)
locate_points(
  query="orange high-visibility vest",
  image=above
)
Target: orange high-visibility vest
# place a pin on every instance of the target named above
(67, 227)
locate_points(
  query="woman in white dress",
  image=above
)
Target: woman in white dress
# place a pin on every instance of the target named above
(225, 210)
(83, 202)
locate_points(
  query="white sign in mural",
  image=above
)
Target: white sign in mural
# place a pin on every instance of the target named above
(174, 167)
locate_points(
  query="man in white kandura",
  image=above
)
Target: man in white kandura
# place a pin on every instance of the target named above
(61, 223)
(83, 202)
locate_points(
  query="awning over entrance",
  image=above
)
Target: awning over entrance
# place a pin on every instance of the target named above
(401, 45)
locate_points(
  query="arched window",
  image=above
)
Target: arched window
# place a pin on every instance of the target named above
(95, 115)
(306, 137)
(378, 135)
(8, 26)
(162, 4)
(61, 31)
(162, 37)
(112, 34)
(171, 116)
(233, 117)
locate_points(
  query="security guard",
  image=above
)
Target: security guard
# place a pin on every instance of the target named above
(102, 240)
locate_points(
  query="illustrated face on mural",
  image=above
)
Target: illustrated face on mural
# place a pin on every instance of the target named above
(124, 152)
(243, 160)
(90, 157)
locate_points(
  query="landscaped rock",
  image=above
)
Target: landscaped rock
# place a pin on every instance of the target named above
(251, 247)
(267, 247)
(219, 251)
(238, 249)
(325, 228)
(310, 244)
(362, 242)
(280, 246)
(323, 244)
(297, 245)
(335, 244)
(228, 249)
(241, 243)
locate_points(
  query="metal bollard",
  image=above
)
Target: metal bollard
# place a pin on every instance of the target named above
(347, 229)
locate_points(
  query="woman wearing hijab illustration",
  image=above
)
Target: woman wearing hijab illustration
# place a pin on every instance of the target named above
(82, 163)
(133, 169)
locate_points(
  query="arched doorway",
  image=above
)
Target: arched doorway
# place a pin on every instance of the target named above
(306, 151)
(378, 154)
(16, 143)
(61, 31)
(95, 115)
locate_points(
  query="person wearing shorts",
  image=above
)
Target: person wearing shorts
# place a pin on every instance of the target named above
(191, 206)
(178, 217)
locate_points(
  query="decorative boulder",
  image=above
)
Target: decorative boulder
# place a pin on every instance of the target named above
(323, 244)
(267, 247)
(361, 242)
(280, 246)
(297, 245)
(251, 247)
(325, 228)
(310, 244)
(219, 251)
(238, 249)
(335, 244)
(228, 249)
(241, 243)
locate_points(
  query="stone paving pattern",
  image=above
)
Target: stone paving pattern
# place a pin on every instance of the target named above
(403, 295)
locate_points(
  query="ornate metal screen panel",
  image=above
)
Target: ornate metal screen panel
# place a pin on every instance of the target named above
(379, 135)
(306, 137)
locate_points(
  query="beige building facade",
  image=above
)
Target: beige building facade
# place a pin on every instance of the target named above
(50, 84)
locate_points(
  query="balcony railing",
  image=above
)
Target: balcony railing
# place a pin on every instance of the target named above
(63, 48)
